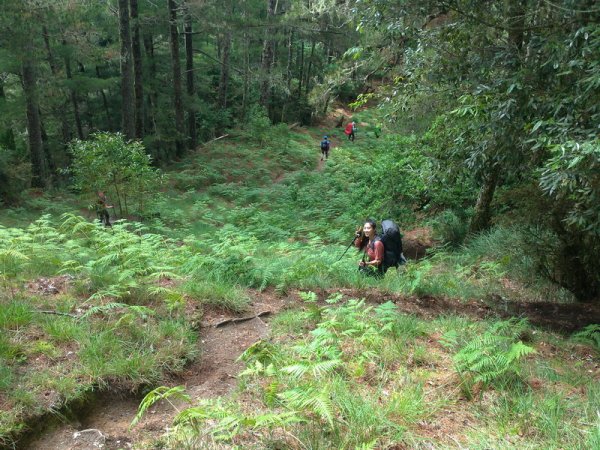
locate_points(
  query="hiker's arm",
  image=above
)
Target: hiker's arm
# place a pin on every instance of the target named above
(378, 254)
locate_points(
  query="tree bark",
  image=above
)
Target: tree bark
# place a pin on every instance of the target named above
(152, 96)
(189, 76)
(309, 70)
(138, 85)
(224, 80)
(104, 102)
(73, 96)
(483, 213)
(301, 75)
(176, 66)
(39, 167)
(127, 98)
(267, 56)
(64, 124)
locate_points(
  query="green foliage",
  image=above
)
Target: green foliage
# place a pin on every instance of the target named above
(494, 357)
(108, 163)
(155, 395)
(589, 335)
(451, 227)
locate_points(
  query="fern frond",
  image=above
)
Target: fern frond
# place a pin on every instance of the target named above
(160, 393)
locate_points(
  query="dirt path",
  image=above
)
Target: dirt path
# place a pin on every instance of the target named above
(213, 375)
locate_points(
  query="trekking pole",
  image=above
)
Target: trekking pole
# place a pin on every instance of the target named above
(347, 248)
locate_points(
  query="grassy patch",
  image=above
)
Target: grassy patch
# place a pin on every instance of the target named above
(365, 377)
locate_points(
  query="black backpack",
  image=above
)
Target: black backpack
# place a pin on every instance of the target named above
(324, 145)
(392, 245)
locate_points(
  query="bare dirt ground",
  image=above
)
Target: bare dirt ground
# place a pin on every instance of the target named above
(214, 373)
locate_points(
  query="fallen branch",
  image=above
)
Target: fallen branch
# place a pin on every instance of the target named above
(294, 125)
(215, 139)
(241, 319)
(57, 313)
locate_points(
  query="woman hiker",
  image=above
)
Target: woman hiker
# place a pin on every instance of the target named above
(368, 242)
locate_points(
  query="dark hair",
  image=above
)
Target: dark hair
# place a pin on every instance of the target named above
(364, 241)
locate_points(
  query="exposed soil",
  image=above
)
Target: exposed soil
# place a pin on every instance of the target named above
(222, 341)
(212, 375)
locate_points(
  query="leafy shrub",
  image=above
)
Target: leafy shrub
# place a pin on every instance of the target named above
(108, 163)
(451, 227)
(589, 335)
(494, 356)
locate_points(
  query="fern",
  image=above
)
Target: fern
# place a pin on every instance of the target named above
(316, 369)
(312, 400)
(494, 355)
(589, 335)
(160, 393)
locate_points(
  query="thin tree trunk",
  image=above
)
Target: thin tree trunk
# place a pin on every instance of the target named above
(189, 76)
(483, 208)
(267, 56)
(246, 74)
(104, 102)
(310, 64)
(64, 124)
(73, 97)
(301, 76)
(39, 167)
(224, 81)
(176, 65)
(138, 86)
(288, 69)
(152, 96)
(46, 147)
(127, 98)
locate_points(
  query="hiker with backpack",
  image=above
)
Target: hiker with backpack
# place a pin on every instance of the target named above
(367, 241)
(382, 251)
(325, 143)
(102, 206)
(350, 130)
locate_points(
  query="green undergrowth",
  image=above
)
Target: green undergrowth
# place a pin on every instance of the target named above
(249, 211)
(349, 375)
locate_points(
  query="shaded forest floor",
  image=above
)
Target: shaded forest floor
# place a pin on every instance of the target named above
(106, 420)
(281, 215)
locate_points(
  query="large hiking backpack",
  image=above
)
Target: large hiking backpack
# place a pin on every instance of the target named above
(324, 145)
(392, 245)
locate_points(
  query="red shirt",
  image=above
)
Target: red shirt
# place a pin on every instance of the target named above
(374, 252)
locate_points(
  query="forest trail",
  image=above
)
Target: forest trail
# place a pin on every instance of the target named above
(214, 374)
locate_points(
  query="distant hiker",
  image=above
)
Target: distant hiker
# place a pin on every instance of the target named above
(367, 241)
(350, 130)
(325, 143)
(102, 209)
(377, 130)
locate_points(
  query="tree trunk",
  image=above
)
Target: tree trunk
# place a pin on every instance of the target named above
(189, 76)
(288, 70)
(267, 56)
(39, 167)
(152, 96)
(483, 214)
(309, 70)
(176, 65)
(64, 124)
(138, 85)
(224, 81)
(104, 102)
(301, 75)
(127, 99)
(73, 97)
